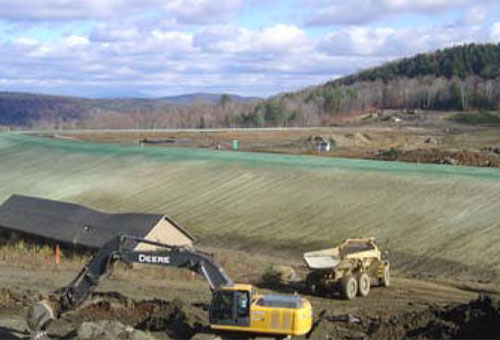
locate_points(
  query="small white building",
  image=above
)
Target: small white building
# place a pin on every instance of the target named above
(323, 146)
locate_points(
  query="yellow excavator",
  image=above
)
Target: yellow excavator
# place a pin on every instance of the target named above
(234, 307)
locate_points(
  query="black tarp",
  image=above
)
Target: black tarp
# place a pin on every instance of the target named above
(71, 223)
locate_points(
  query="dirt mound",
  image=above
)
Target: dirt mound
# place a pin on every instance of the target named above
(13, 298)
(148, 315)
(464, 157)
(479, 319)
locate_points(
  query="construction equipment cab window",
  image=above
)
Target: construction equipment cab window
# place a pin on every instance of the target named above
(231, 307)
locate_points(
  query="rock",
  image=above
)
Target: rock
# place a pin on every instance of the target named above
(100, 329)
(349, 318)
(361, 138)
(140, 335)
(450, 161)
(287, 273)
(110, 330)
(430, 140)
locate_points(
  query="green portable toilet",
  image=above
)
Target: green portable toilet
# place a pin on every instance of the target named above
(235, 144)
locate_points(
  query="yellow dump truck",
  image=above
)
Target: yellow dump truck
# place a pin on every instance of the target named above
(351, 268)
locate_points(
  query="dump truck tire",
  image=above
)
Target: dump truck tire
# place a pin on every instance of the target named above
(363, 284)
(385, 280)
(349, 287)
(311, 284)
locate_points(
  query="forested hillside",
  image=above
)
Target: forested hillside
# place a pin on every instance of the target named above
(198, 110)
(26, 110)
(463, 78)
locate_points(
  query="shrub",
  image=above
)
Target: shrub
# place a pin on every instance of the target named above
(271, 277)
(475, 118)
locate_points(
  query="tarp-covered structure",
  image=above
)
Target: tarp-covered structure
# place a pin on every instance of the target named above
(73, 224)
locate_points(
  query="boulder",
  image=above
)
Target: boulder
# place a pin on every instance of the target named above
(106, 329)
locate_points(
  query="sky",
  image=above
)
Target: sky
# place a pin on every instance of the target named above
(155, 48)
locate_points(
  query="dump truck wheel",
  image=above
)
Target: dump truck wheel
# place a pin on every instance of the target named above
(349, 287)
(311, 284)
(385, 280)
(363, 284)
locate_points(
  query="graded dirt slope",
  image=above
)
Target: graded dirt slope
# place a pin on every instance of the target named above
(434, 219)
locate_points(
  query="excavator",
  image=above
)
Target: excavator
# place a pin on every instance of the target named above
(234, 307)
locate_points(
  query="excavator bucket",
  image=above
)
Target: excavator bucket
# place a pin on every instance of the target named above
(39, 315)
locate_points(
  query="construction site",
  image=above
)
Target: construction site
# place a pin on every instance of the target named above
(346, 248)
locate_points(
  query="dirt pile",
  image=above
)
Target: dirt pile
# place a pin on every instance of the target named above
(148, 315)
(13, 299)
(464, 157)
(479, 319)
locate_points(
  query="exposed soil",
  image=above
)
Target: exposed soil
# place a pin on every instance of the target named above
(464, 157)
(478, 319)
(430, 140)
(410, 308)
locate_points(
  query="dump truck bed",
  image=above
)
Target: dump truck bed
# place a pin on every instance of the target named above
(323, 259)
(332, 257)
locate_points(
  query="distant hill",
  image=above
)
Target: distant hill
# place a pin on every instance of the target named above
(207, 98)
(25, 109)
(28, 110)
(460, 78)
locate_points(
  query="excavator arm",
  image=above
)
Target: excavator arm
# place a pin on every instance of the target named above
(74, 294)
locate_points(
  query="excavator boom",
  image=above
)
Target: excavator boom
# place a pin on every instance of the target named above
(71, 296)
(234, 307)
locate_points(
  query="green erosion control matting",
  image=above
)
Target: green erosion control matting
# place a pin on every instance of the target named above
(432, 214)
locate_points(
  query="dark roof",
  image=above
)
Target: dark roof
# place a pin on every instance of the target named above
(72, 223)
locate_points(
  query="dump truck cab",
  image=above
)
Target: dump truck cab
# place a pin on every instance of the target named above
(239, 308)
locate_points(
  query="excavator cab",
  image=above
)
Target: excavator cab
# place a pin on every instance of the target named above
(231, 306)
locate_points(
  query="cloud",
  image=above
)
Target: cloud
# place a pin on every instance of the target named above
(495, 32)
(76, 41)
(203, 11)
(339, 12)
(343, 12)
(71, 10)
(475, 15)
(104, 32)
(420, 5)
(391, 42)
(182, 11)
(277, 39)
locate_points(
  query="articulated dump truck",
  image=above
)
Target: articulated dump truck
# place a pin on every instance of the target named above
(351, 268)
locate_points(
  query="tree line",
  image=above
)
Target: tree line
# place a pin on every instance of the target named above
(462, 78)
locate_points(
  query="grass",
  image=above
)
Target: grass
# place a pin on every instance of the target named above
(429, 215)
(483, 118)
